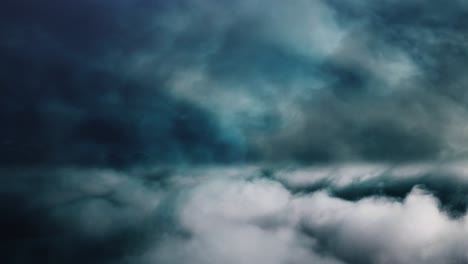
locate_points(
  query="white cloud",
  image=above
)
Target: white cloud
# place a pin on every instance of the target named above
(234, 215)
(377, 230)
(238, 220)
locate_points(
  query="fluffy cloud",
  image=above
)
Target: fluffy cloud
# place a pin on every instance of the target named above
(255, 219)
(237, 215)
(382, 231)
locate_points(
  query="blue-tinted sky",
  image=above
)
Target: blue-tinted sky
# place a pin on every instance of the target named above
(335, 128)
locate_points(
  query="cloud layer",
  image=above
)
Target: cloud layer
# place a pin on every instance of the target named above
(199, 81)
(249, 131)
(235, 215)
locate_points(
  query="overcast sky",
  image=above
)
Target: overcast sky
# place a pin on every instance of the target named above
(243, 132)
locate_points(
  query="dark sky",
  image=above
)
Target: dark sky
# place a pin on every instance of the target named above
(335, 127)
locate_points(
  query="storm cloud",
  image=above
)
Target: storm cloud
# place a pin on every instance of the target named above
(209, 81)
(249, 131)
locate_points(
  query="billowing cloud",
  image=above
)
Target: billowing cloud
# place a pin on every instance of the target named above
(250, 131)
(206, 81)
(237, 215)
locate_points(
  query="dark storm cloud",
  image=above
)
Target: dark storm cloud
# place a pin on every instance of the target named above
(351, 87)
(76, 215)
(199, 81)
(63, 103)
